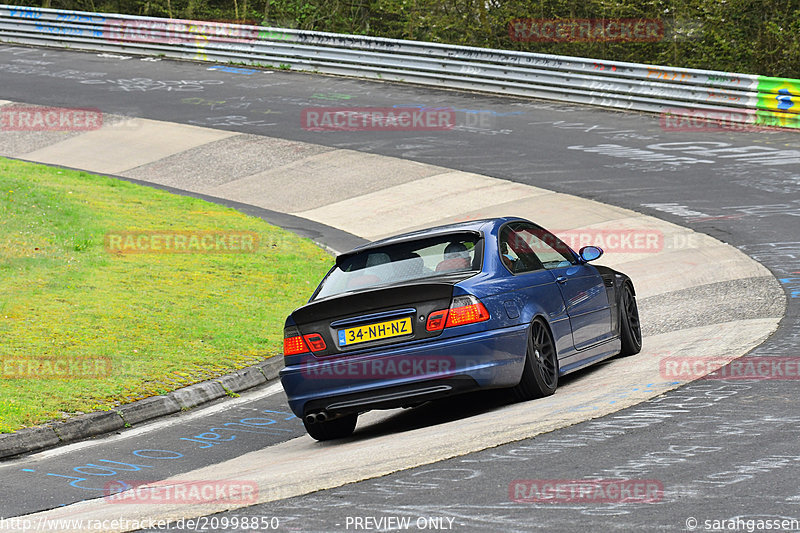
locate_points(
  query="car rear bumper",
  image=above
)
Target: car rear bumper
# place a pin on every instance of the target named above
(396, 376)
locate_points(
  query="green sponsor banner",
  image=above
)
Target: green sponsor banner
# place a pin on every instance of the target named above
(776, 119)
(781, 95)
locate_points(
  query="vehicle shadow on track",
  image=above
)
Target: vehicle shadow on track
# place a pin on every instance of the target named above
(449, 409)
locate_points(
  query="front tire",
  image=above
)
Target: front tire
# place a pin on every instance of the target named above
(630, 331)
(540, 376)
(337, 428)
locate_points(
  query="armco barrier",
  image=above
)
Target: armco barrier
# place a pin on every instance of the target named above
(742, 98)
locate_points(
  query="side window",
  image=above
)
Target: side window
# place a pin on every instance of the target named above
(524, 248)
(550, 250)
(515, 252)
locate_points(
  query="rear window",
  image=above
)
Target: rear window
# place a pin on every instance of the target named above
(408, 261)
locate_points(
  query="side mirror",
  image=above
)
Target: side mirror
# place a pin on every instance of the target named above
(590, 253)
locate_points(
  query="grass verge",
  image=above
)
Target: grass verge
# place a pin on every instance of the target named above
(157, 321)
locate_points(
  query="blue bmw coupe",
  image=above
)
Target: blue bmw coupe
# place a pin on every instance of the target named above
(498, 303)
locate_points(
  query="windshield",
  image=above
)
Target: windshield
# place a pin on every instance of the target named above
(407, 261)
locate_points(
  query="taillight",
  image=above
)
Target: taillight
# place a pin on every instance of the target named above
(463, 310)
(315, 341)
(436, 320)
(293, 343)
(466, 310)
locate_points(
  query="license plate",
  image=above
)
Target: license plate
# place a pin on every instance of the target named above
(371, 332)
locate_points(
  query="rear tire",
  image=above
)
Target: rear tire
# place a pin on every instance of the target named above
(630, 331)
(540, 376)
(332, 429)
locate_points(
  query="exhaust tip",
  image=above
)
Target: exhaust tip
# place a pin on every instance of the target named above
(313, 418)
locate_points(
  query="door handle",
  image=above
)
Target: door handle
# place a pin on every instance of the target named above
(561, 279)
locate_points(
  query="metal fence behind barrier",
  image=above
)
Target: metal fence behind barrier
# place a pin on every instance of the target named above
(670, 91)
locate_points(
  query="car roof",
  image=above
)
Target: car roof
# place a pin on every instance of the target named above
(477, 226)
